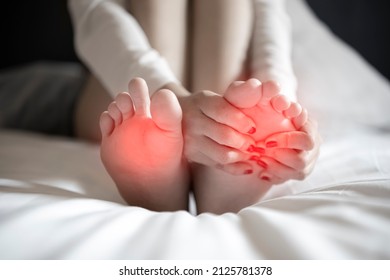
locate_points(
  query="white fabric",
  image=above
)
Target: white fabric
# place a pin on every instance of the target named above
(272, 44)
(110, 41)
(56, 200)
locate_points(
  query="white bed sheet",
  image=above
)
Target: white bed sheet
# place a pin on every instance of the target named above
(57, 202)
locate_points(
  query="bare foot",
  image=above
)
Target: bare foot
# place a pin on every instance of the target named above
(268, 113)
(219, 192)
(272, 114)
(142, 147)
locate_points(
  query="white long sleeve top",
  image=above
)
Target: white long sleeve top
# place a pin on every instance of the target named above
(112, 44)
(272, 45)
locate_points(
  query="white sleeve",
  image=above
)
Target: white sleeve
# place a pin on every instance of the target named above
(272, 45)
(114, 47)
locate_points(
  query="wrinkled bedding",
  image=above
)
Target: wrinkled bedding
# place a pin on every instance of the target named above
(57, 201)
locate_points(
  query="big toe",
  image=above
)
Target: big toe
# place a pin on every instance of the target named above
(244, 94)
(166, 111)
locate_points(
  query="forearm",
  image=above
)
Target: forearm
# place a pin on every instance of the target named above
(272, 46)
(114, 47)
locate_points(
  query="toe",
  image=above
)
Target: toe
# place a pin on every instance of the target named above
(125, 105)
(280, 103)
(301, 119)
(106, 124)
(269, 90)
(115, 113)
(139, 92)
(244, 94)
(166, 111)
(293, 111)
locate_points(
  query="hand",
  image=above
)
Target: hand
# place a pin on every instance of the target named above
(216, 132)
(291, 155)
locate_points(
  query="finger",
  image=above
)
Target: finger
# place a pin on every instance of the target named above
(279, 170)
(310, 127)
(300, 140)
(244, 94)
(225, 135)
(290, 157)
(310, 167)
(311, 159)
(297, 160)
(218, 153)
(218, 109)
(238, 168)
(139, 93)
(270, 179)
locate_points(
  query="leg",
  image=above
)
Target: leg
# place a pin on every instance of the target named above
(93, 100)
(165, 25)
(221, 35)
(168, 38)
(142, 148)
(222, 30)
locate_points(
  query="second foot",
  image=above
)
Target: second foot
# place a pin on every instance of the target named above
(142, 146)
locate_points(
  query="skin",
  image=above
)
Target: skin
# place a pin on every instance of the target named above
(217, 126)
(217, 136)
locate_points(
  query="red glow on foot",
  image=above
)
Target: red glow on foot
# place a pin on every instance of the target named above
(268, 121)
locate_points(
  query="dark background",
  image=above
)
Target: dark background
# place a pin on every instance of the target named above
(41, 29)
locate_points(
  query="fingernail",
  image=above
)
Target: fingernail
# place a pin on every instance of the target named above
(265, 178)
(259, 150)
(255, 158)
(252, 130)
(262, 164)
(251, 149)
(271, 144)
(249, 171)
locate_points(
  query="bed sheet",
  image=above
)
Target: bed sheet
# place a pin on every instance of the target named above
(57, 201)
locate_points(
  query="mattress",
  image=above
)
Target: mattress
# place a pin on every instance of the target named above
(58, 202)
